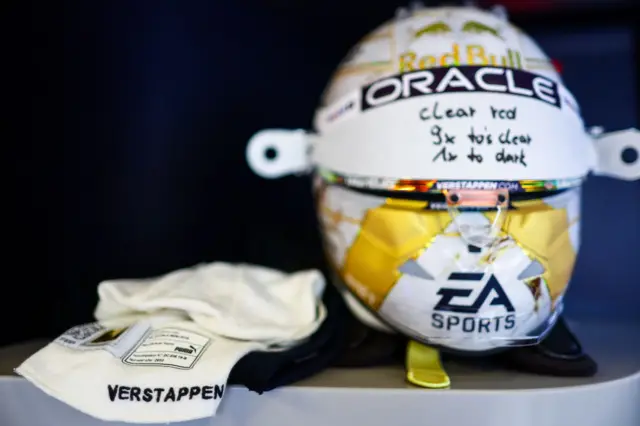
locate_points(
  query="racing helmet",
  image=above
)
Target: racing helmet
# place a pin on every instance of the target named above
(447, 160)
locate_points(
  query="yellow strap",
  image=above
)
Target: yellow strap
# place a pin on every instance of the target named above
(424, 368)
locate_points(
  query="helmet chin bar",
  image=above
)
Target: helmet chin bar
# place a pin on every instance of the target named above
(474, 233)
(274, 153)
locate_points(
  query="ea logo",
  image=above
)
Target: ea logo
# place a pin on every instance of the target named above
(448, 294)
(455, 316)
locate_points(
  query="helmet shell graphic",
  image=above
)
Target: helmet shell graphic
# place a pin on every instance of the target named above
(436, 37)
(404, 260)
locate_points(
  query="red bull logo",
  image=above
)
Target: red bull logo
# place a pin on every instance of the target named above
(472, 54)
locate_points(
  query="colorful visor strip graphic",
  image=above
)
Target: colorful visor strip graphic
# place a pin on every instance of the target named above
(438, 186)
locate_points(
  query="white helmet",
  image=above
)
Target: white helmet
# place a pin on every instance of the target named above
(448, 158)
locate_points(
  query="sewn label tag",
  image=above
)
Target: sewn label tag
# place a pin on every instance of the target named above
(170, 347)
(95, 336)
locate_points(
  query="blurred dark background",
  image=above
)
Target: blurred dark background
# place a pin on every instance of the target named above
(131, 118)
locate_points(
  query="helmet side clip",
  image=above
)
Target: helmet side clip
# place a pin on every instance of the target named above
(274, 153)
(618, 153)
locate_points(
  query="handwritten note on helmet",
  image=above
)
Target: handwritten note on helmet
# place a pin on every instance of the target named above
(480, 141)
